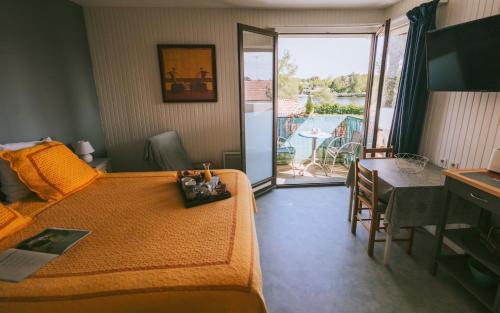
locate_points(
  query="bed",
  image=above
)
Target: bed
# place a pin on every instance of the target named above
(146, 253)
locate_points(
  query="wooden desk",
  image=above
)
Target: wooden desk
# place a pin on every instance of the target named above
(463, 175)
(480, 189)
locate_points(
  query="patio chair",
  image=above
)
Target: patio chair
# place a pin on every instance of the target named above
(287, 151)
(339, 147)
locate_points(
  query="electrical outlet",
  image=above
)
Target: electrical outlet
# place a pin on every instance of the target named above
(444, 163)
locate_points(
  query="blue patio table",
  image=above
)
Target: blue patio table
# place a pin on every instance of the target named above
(314, 135)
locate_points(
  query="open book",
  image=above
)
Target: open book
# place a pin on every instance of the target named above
(27, 257)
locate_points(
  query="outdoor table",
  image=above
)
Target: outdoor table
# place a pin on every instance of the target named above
(314, 136)
(412, 199)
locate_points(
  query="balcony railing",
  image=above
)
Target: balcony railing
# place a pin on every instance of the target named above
(300, 150)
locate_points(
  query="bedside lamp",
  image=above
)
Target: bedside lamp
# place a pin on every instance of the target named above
(84, 150)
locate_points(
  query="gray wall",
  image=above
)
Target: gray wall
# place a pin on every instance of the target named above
(46, 82)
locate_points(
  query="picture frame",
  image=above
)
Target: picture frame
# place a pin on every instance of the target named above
(188, 73)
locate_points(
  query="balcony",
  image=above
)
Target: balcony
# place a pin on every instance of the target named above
(295, 147)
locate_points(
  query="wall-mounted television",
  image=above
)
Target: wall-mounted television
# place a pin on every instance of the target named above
(465, 57)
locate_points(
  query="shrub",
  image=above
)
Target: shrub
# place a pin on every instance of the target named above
(309, 106)
(334, 108)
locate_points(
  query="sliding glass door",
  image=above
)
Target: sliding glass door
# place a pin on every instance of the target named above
(257, 62)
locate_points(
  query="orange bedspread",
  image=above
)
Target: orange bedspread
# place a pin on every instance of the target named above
(146, 253)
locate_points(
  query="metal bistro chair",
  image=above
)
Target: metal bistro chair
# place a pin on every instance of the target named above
(286, 149)
(337, 147)
(368, 209)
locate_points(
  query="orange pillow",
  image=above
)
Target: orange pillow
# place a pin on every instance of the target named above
(11, 221)
(50, 169)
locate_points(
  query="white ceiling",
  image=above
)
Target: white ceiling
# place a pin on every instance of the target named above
(261, 4)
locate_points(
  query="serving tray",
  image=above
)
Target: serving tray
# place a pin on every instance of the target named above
(199, 200)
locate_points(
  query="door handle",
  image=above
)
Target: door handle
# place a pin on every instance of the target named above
(478, 198)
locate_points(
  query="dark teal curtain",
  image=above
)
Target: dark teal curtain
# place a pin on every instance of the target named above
(411, 103)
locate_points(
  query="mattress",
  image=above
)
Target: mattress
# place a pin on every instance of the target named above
(146, 252)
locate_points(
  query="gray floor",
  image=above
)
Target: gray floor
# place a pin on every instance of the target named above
(312, 263)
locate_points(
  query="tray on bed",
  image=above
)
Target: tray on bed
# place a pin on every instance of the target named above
(201, 192)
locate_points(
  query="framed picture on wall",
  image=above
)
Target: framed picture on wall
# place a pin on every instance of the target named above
(188, 73)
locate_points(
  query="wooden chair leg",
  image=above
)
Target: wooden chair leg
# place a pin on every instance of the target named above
(373, 231)
(354, 220)
(351, 196)
(410, 240)
(378, 224)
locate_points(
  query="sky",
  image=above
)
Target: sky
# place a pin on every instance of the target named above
(326, 57)
(323, 57)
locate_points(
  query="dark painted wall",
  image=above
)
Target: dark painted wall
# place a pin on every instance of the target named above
(46, 82)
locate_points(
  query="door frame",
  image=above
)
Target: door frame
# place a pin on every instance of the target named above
(367, 101)
(270, 183)
(266, 184)
(369, 85)
(385, 29)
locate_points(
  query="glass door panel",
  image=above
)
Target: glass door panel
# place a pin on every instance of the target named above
(393, 67)
(257, 87)
(376, 85)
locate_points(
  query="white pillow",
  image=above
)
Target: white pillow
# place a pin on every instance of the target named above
(13, 189)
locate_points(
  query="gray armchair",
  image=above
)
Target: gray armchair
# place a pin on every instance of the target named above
(167, 153)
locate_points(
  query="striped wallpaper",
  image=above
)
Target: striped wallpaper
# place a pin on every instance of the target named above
(123, 49)
(461, 127)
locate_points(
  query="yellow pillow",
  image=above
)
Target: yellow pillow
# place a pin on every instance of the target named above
(11, 221)
(50, 169)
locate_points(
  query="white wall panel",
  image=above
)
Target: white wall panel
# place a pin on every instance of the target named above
(461, 127)
(123, 48)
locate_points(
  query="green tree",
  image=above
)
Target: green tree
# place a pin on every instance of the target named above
(323, 95)
(301, 87)
(351, 83)
(309, 106)
(288, 85)
(360, 81)
(285, 65)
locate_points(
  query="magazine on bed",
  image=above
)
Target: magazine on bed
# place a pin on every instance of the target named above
(27, 257)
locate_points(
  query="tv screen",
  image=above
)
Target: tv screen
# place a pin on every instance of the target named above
(465, 57)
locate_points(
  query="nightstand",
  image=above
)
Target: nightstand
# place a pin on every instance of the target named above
(102, 164)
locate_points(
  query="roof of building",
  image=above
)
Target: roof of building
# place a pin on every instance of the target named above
(288, 107)
(258, 90)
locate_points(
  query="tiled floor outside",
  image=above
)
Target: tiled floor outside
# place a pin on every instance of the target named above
(285, 175)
